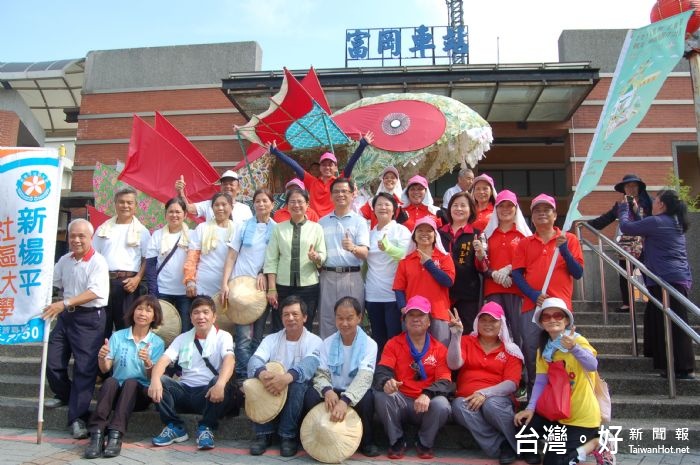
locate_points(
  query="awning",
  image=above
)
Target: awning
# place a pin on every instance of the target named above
(543, 92)
(51, 89)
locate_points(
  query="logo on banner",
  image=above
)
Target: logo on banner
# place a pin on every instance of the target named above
(33, 186)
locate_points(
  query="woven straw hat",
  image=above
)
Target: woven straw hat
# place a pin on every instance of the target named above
(330, 441)
(245, 302)
(260, 405)
(172, 325)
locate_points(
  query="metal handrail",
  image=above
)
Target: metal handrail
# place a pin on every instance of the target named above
(667, 291)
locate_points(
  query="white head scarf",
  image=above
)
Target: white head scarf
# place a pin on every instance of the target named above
(438, 242)
(496, 311)
(520, 223)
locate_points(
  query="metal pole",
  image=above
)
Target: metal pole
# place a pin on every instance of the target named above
(580, 282)
(603, 291)
(668, 330)
(630, 292)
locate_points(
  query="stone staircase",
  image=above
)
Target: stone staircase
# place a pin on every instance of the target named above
(639, 395)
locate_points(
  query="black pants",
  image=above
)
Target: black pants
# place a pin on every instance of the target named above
(654, 339)
(119, 302)
(81, 334)
(364, 408)
(124, 399)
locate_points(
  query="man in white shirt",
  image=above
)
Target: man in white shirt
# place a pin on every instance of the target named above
(123, 241)
(230, 184)
(83, 276)
(465, 178)
(205, 355)
(347, 242)
(299, 351)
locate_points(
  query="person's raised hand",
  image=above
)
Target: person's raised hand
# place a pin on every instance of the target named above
(424, 257)
(104, 350)
(455, 323)
(180, 185)
(568, 340)
(348, 244)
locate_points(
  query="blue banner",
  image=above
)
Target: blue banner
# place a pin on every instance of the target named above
(30, 189)
(647, 57)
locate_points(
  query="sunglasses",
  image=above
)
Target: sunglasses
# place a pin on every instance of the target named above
(552, 316)
(416, 368)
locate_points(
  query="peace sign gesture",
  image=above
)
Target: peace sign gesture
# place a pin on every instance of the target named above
(455, 323)
(567, 340)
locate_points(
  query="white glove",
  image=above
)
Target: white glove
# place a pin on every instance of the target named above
(507, 282)
(497, 276)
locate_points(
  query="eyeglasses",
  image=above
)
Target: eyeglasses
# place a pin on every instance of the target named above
(341, 191)
(296, 202)
(545, 317)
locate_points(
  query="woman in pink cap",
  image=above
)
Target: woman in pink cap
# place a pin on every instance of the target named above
(283, 214)
(489, 365)
(427, 270)
(418, 202)
(469, 257)
(484, 192)
(503, 233)
(320, 188)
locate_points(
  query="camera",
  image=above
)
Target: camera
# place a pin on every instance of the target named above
(629, 198)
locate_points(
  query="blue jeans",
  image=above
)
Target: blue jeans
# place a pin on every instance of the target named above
(287, 422)
(247, 338)
(186, 399)
(182, 303)
(385, 320)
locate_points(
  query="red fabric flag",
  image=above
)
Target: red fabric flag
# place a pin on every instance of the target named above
(153, 165)
(313, 87)
(96, 217)
(195, 193)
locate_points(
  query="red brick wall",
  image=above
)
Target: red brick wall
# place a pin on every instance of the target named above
(203, 125)
(9, 128)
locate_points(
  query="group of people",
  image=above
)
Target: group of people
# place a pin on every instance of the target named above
(421, 273)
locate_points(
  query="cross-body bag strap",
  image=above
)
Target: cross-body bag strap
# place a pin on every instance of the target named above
(206, 359)
(172, 251)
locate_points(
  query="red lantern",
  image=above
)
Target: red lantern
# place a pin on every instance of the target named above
(666, 8)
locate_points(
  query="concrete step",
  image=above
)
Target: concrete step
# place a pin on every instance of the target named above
(647, 385)
(655, 407)
(623, 347)
(22, 413)
(618, 363)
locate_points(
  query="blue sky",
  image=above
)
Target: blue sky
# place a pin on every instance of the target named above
(298, 33)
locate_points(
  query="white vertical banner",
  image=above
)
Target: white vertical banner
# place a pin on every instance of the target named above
(30, 193)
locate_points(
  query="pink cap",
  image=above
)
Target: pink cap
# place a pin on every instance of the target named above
(506, 195)
(543, 198)
(328, 156)
(295, 182)
(485, 178)
(418, 179)
(429, 220)
(417, 302)
(493, 309)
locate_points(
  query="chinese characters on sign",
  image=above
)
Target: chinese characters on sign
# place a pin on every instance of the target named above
(422, 45)
(554, 439)
(29, 187)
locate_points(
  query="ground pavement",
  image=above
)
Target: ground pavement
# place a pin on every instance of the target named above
(18, 446)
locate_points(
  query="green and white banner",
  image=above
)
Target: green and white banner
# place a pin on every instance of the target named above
(647, 57)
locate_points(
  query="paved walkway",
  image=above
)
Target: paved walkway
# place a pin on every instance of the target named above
(18, 446)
